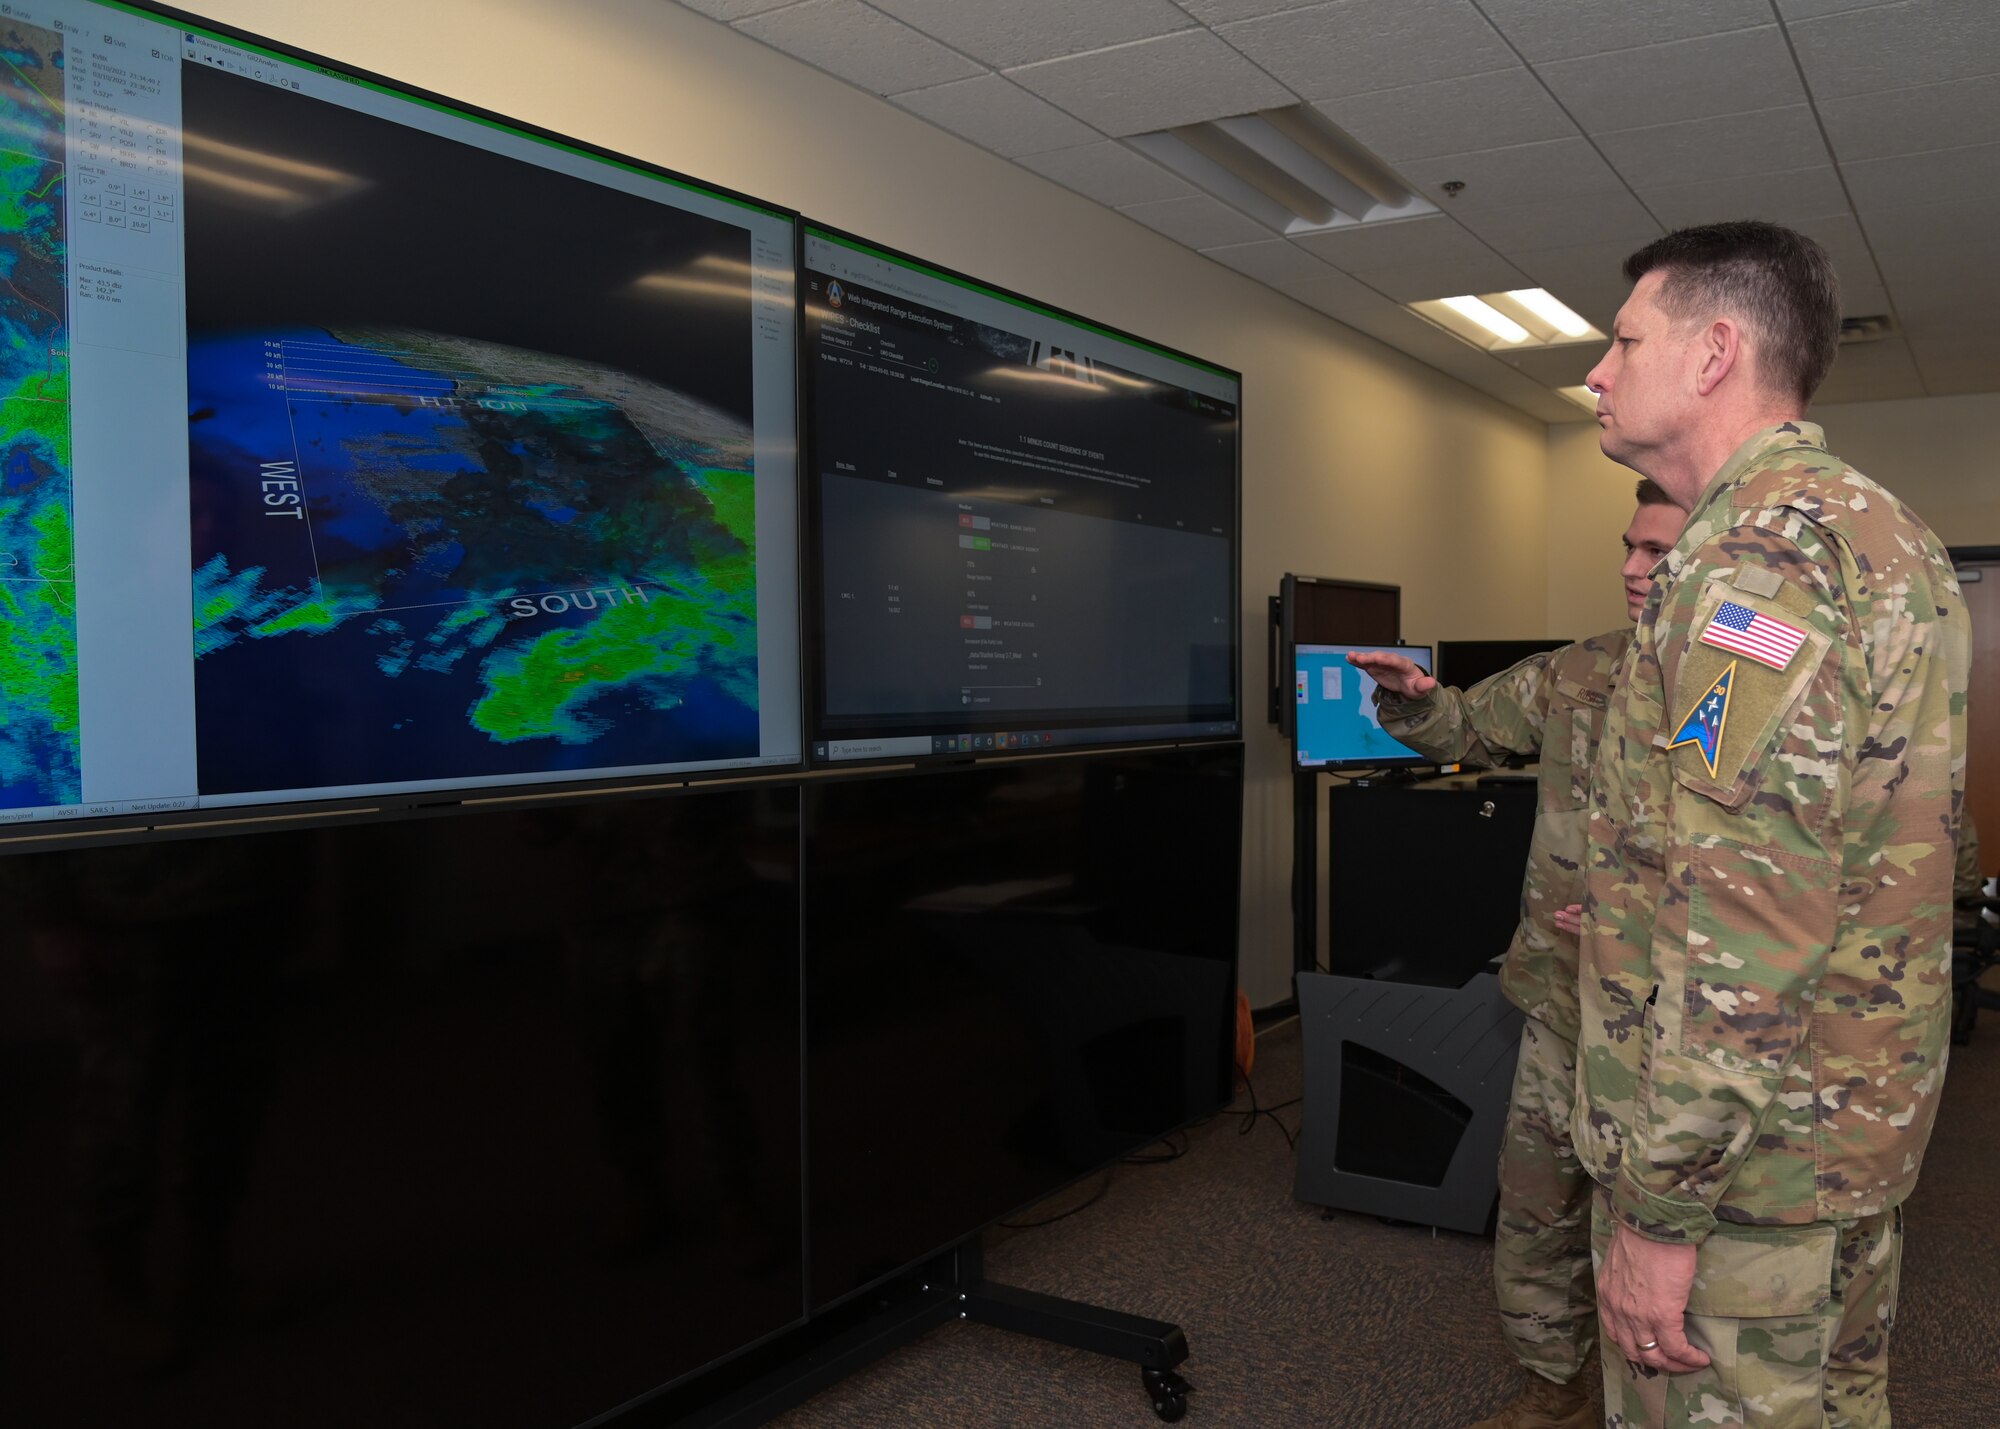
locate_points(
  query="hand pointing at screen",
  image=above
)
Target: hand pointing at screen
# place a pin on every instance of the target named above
(1399, 675)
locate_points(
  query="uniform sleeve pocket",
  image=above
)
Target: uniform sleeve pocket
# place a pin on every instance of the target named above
(1760, 925)
(1765, 1272)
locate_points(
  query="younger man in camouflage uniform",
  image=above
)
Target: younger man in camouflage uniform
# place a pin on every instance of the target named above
(1767, 921)
(1550, 707)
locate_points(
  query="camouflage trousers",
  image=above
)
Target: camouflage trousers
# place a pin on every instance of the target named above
(1541, 1247)
(1812, 1355)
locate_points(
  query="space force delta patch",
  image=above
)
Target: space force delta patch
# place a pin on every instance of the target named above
(1704, 724)
(1744, 631)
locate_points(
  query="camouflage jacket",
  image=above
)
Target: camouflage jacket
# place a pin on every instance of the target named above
(1552, 706)
(1767, 926)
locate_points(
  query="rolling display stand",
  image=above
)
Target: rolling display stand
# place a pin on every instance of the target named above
(946, 1288)
(1409, 1044)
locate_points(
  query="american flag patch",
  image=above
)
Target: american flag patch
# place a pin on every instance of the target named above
(1748, 632)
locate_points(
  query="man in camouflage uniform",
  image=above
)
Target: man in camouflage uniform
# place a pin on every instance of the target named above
(1549, 707)
(1767, 919)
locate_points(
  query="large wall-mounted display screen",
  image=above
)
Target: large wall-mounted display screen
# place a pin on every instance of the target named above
(1022, 526)
(359, 445)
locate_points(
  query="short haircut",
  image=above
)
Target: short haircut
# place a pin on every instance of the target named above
(1780, 283)
(1651, 493)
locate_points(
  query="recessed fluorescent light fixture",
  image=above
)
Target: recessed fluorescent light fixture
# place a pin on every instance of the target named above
(1582, 396)
(1488, 317)
(1292, 170)
(1542, 303)
(1510, 321)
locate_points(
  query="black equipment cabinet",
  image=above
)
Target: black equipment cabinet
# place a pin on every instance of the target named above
(1423, 881)
(1409, 1044)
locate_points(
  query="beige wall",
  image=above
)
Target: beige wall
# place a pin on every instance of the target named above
(1934, 452)
(1359, 462)
(1590, 504)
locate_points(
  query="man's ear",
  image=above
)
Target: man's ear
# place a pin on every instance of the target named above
(1718, 350)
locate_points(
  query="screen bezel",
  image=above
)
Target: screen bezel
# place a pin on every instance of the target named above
(812, 628)
(1412, 760)
(42, 834)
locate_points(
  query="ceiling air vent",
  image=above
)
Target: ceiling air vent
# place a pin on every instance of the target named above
(1870, 329)
(1290, 169)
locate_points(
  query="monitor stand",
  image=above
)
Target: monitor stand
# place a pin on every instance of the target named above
(951, 1286)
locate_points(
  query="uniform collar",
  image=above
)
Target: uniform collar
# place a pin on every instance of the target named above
(1722, 486)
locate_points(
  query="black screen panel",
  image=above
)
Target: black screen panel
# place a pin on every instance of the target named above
(489, 1119)
(1017, 973)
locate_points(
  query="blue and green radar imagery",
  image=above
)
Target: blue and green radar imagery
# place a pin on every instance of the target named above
(425, 557)
(40, 755)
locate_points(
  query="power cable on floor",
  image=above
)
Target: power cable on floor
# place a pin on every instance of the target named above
(1249, 1122)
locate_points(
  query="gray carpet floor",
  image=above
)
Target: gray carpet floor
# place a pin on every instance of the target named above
(1295, 1319)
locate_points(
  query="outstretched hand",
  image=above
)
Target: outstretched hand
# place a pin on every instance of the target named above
(1398, 674)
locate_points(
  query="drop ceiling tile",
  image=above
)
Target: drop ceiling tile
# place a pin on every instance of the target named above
(1842, 239)
(1389, 245)
(1564, 366)
(1685, 79)
(1419, 282)
(1897, 46)
(1935, 243)
(1951, 367)
(1221, 12)
(1563, 29)
(1776, 198)
(1863, 300)
(1958, 305)
(1184, 78)
(998, 115)
(1812, 9)
(1507, 178)
(1913, 242)
(1871, 372)
(1272, 261)
(1355, 46)
(1108, 172)
(1911, 180)
(1022, 31)
(729, 10)
(1452, 116)
(1553, 223)
(1348, 299)
(859, 44)
(1767, 142)
(1911, 121)
(1198, 221)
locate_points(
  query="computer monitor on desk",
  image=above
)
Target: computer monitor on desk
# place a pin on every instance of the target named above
(1336, 725)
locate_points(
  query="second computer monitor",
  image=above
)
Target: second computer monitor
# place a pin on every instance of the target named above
(1337, 726)
(1021, 525)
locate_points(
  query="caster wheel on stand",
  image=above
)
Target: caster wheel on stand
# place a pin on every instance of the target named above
(1169, 1393)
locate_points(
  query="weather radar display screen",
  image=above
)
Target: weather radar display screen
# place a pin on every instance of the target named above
(358, 445)
(1023, 526)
